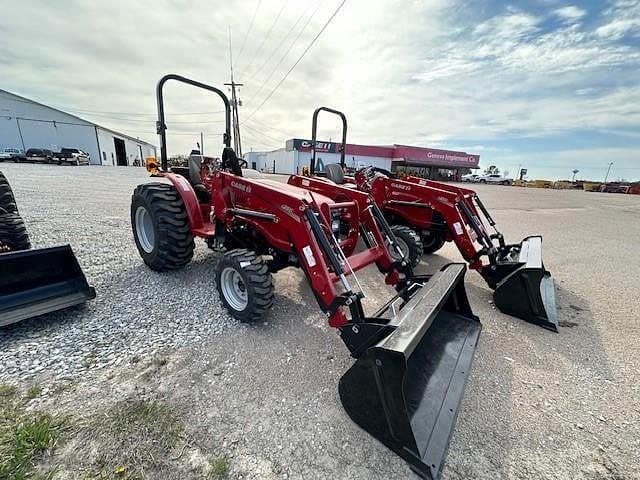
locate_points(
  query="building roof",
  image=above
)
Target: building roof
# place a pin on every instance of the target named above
(28, 100)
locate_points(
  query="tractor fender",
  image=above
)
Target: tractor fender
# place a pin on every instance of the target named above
(189, 198)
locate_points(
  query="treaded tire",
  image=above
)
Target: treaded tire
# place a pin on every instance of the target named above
(172, 245)
(432, 243)
(13, 233)
(7, 200)
(256, 279)
(412, 241)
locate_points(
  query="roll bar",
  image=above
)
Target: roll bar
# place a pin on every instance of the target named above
(161, 126)
(314, 128)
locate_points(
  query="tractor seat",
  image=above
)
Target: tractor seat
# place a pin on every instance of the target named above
(334, 173)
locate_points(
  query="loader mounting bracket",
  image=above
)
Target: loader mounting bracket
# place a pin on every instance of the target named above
(358, 337)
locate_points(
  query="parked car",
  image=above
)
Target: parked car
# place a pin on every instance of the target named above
(15, 154)
(71, 156)
(39, 155)
(470, 177)
(495, 178)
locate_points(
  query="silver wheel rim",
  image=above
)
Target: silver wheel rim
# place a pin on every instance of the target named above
(403, 246)
(234, 289)
(144, 230)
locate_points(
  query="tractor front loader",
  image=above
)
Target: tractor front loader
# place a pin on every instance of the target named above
(441, 212)
(412, 356)
(38, 281)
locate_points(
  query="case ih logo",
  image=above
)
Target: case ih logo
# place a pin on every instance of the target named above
(320, 146)
(400, 186)
(241, 186)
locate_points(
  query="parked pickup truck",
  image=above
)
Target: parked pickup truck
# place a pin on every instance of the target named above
(14, 154)
(71, 156)
(39, 155)
(495, 178)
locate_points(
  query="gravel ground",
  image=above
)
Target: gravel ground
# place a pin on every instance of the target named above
(538, 405)
(88, 207)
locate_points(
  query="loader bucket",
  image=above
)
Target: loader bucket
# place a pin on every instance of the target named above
(528, 292)
(406, 389)
(35, 282)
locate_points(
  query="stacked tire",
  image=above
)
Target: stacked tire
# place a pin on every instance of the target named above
(13, 234)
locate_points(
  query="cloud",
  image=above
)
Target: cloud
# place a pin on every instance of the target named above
(445, 72)
(570, 14)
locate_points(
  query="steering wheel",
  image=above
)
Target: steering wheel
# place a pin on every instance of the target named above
(231, 161)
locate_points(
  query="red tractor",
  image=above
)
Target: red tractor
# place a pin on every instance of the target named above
(409, 244)
(413, 354)
(439, 212)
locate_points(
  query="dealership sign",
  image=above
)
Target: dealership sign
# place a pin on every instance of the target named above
(328, 147)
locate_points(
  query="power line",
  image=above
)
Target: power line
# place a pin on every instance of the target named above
(284, 55)
(275, 50)
(299, 59)
(264, 39)
(246, 35)
(263, 125)
(262, 133)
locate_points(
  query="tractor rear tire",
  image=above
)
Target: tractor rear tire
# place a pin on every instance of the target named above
(161, 226)
(13, 233)
(432, 242)
(7, 200)
(410, 243)
(244, 284)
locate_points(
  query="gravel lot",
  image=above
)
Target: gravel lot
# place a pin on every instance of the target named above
(538, 405)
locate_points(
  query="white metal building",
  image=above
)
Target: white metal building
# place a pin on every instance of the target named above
(27, 124)
(297, 154)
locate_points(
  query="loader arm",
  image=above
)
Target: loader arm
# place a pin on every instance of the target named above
(523, 287)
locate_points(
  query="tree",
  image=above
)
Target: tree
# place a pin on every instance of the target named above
(492, 170)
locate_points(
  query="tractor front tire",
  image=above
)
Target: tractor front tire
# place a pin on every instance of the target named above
(13, 233)
(432, 242)
(161, 226)
(7, 200)
(410, 243)
(244, 284)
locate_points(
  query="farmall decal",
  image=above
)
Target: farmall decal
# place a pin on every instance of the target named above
(401, 186)
(241, 186)
(289, 211)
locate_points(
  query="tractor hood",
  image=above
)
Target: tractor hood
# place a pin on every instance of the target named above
(295, 192)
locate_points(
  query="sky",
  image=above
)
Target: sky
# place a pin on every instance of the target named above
(546, 85)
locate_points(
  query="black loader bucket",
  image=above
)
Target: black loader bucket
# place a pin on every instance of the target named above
(34, 282)
(528, 292)
(406, 389)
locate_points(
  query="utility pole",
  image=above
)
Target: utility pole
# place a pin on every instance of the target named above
(608, 170)
(201, 144)
(234, 105)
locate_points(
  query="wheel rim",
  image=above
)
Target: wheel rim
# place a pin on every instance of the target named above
(234, 289)
(403, 246)
(429, 240)
(144, 230)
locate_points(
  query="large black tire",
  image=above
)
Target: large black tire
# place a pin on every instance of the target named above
(410, 243)
(432, 242)
(7, 200)
(244, 284)
(13, 233)
(161, 226)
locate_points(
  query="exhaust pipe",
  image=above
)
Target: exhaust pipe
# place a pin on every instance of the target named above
(406, 389)
(35, 282)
